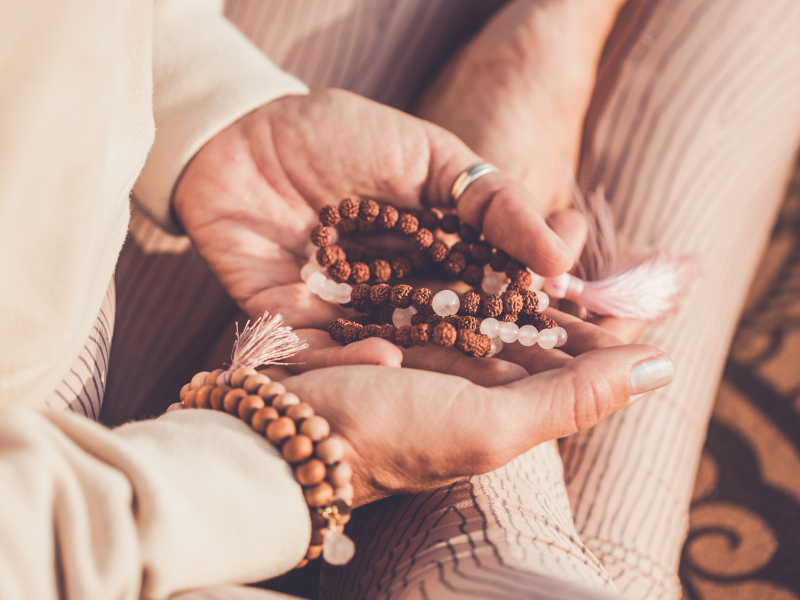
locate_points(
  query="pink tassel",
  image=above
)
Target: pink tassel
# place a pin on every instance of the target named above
(265, 342)
(647, 289)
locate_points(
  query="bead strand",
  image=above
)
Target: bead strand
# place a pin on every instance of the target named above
(304, 441)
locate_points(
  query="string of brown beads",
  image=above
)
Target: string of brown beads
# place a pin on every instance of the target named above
(349, 263)
(303, 439)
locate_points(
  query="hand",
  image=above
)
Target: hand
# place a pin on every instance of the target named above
(250, 196)
(409, 431)
(518, 92)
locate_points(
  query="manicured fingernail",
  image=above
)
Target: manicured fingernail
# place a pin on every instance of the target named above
(650, 375)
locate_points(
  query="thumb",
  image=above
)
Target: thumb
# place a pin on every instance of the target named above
(579, 395)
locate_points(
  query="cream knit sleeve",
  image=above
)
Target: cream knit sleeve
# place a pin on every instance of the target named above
(206, 75)
(191, 499)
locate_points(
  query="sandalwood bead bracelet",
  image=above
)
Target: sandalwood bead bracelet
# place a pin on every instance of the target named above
(303, 439)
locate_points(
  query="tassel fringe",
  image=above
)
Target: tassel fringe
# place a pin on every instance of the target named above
(265, 342)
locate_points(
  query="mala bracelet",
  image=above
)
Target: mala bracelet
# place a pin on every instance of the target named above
(411, 317)
(303, 439)
(471, 259)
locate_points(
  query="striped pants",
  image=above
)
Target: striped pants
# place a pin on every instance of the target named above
(691, 131)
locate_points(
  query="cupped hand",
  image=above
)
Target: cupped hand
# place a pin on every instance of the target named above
(408, 431)
(250, 196)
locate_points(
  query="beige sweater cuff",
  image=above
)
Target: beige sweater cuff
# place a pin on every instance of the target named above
(206, 75)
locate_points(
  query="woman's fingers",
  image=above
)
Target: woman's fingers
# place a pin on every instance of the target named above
(578, 396)
(324, 352)
(486, 372)
(510, 219)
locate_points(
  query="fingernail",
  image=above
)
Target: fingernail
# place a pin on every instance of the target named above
(567, 249)
(650, 375)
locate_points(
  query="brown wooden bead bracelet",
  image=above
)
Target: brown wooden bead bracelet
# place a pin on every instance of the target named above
(303, 439)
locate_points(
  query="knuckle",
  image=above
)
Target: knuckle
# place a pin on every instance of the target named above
(589, 400)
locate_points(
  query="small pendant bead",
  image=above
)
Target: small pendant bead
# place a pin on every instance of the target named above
(338, 549)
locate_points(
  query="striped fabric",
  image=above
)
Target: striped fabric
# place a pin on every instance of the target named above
(82, 389)
(691, 132)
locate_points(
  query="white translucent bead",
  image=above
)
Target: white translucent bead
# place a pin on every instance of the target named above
(327, 290)
(490, 327)
(493, 283)
(309, 269)
(342, 293)
(315, 282)
(445, 303)
(562, 336)
(548, 338)
(544, 300)
(402, 316)
(311, 250)
(557, 286)
(497, 346)
(537, 281)
(528, 334)
(337, 549)
(509, 332)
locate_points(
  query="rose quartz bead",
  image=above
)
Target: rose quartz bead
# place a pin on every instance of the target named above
(342, 293)
(445, 303)
(327, 290)
(309, 269)
(528, 334)
(544, 300)
(548, 338)
(490, 327)
(402, 316)
(497, 346)
(509, 332)
(315, 282)
(493, 282)
(562, 336)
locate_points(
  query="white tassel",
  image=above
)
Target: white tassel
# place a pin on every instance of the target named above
(265, 342)
(648, 288)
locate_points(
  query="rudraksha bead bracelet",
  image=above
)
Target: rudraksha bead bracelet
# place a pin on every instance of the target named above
(512, 298)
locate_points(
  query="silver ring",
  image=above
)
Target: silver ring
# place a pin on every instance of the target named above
(467, 176)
